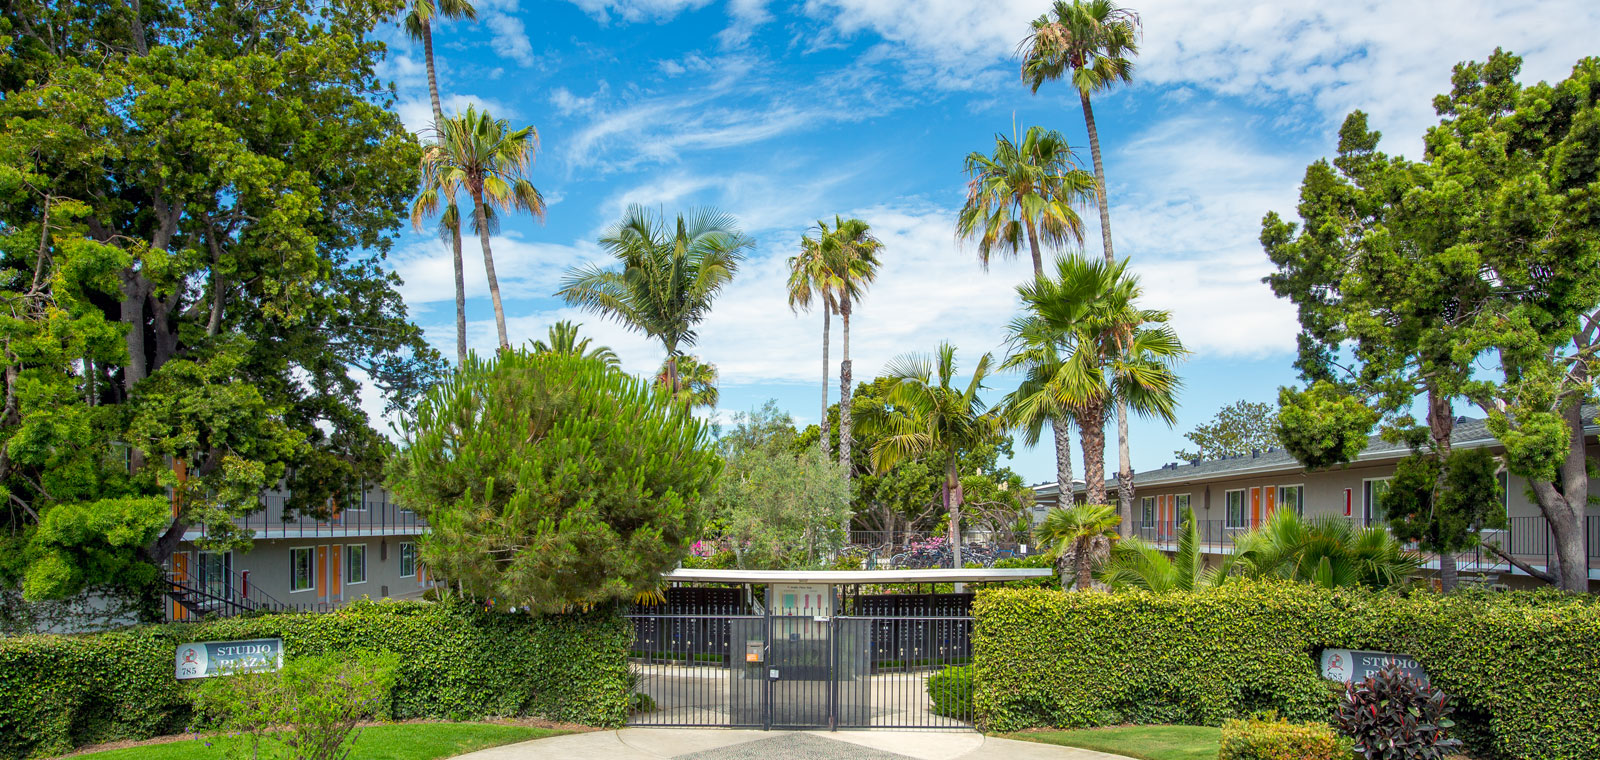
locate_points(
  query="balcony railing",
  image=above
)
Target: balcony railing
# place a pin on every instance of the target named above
(378, 516)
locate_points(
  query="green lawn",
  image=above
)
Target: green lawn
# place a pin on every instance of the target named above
(1143, 742)
(402, 741)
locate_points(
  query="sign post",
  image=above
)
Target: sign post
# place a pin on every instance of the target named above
(221, 658)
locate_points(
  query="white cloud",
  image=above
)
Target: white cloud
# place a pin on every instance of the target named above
(567, 103)
(638, 10)
(510, 38)
(524, 268)
(416, 113)
(747, 16)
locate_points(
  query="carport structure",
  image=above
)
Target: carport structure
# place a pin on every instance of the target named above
(810, 649)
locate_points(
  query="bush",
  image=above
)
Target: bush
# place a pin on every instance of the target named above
(1276, 739)
(1393, 716)
(310, 709)
(1519, 666)
(950, 690)
(456, 661)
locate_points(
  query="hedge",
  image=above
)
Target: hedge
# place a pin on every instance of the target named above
(1520, 666)
(456, 662)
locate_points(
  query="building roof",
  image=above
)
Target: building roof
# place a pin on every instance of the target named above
(851, 577)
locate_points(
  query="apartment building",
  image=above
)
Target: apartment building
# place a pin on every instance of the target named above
(1233, 496)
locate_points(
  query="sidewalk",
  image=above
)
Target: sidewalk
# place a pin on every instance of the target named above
(731, 744)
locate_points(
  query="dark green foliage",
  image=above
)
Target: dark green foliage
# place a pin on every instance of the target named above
(950, 691)
(1518, 665)
(456, 662)
(553, 481)
(1322, 425)
(1272, 739)
(309, 710)
(1446, 520)
(1394, 716)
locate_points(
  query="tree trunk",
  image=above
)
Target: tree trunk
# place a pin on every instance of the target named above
(488, 268)
(455, 229)
(845, 423)
(1124, 471)
(1441, 422)
(1565, 513)
(1063, 435)
(827, 375)
(1092, 432)
(1099, 176)
(952, 490)
(433, 79)
(1085, 546)
(1033, 246)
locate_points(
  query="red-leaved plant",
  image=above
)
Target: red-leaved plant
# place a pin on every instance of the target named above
(1395, 716)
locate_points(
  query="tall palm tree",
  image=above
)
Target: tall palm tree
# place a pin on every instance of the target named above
(1073, 532)
(418, 22)
(1327, 551)
(1134, 564)
(488, 159)
(1025, 192)
(696, 384)
(564, 340)
(1035, 350)
(930, 418)
(850, 251)
(669, 275)
(811, 279)
(1090, 43)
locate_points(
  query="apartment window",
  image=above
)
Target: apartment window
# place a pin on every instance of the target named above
(1505, 491)
(1292, 497)
(1238, 513)
(1372, 492)
(302, 569)
(1147, 510)
(1180, 504)
(214, 571)
(408, 559)
(355, 563)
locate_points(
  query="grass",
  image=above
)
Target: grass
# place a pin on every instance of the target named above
(1143, 742)
(398, 741)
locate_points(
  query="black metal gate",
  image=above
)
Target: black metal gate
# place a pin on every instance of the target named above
(794, 672)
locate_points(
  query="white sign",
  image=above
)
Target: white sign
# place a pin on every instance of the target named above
(1346, 666)
(802, 599)
(220, 658)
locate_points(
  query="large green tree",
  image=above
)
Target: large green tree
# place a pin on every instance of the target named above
(1445, 512)
(194, 203)
(552, 481)
(1238, 428)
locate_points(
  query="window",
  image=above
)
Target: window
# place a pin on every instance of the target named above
(302, 569)
(408, 559)
(1292, 497)
(355, 563)
(1238, 513)
(1505, 491)
(1372, 492)
(1147, 511)
(1180, 507)
(215, 569)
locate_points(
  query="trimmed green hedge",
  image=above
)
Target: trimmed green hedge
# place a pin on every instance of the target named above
(1519, 667)
(456, 662)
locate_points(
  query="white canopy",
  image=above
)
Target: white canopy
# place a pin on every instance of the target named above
(849, 577)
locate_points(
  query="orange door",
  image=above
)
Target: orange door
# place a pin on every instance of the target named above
(1272, 500)
(180, 568)
(322, 573)
(1255, 507)
(335, 577)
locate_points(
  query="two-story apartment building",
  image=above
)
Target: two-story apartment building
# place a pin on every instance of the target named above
(1232, 496)
(367, 548)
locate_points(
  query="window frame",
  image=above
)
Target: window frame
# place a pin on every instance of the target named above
(311, 568)
(1300, 501)
(407, 547)
(349, 563)
(1244, 508)
(1369, 501)
(1147, 511)
(1178, 509)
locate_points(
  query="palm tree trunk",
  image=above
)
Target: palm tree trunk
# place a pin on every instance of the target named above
(827, 374)
(1033, 246)
(1063, 436)
(455, 230)
(1124, 470)
(672, 372)
(1085, 545)
(1099, 177)
(952, 490)
(1092, 431)
(845, 423)
(488, 268)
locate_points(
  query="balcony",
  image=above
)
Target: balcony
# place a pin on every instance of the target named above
(374, 515)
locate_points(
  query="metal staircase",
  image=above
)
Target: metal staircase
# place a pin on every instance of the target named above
(226, 596)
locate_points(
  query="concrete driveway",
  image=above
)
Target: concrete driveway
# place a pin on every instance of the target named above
(733, 744)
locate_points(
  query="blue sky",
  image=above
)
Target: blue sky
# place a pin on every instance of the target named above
(782, 114)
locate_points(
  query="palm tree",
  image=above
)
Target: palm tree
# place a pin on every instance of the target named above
(696, 384)
(810, 278)
(1134, 564)
(484, 156)
(1073, 532)
(850, 252)
(564, 341)
(668, 279)
(1326, 551)
(1025, 191)
(1037, 400)
(1091, 346)
(929, 418)
(1090, 43)
(418, 23)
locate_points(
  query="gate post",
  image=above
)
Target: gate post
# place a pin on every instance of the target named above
(833, 673)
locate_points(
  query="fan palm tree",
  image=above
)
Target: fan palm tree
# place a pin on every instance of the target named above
(850, 252)
(564, 340)
(418, 23)
(811, 279)
(488, 159)
(1326, 551)
(1035, 350)
(928, 418)
(1134, 564)
(696, 384)
(669, 275)
(1073, 532)
(1025, 192)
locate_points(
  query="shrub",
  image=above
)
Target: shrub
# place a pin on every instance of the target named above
(310, 709)
(456, 661)
(1272, 738)
(950, 690)
(1394, 716)
(1518, 665)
